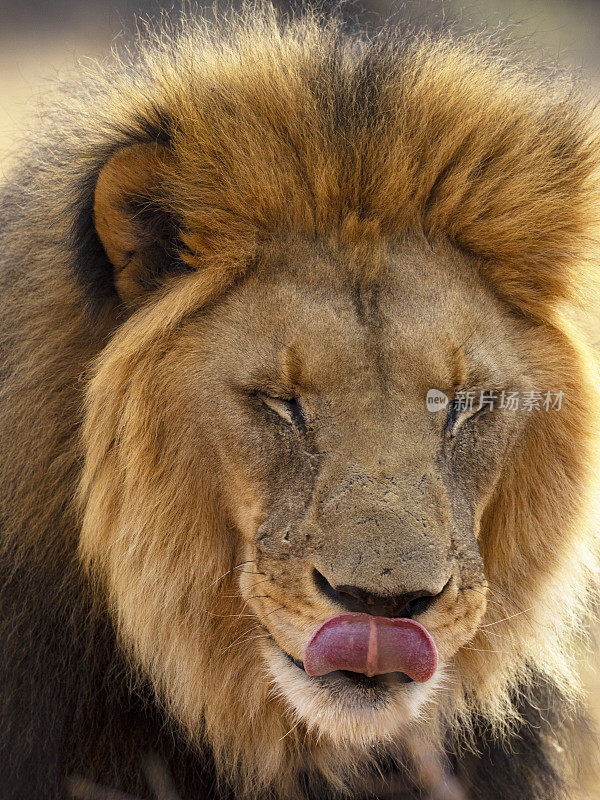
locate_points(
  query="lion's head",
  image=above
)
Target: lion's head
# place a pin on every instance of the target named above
(351, 227)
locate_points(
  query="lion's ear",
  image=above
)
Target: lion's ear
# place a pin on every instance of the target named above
(137, 231)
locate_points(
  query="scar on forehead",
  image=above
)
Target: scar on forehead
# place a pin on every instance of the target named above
(458, 365)
(293, 364)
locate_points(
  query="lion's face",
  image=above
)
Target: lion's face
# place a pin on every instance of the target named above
(343, 491)
(262, 459)
(258, 454)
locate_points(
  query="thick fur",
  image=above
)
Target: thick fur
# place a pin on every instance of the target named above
(115, 636)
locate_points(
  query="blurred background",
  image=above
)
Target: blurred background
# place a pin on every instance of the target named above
(41, 39)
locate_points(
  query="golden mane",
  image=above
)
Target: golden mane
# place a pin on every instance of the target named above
(283, 129)
(302, 127)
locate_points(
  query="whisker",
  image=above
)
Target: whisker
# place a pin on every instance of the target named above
(293, 728)
(511, 616)
(484, 594)
(501, 593)
(498, 590)
(492, 633)
(229, 571)
(499, 603)
(268, 614)
(245, 641)
(258, 583)
(242, 636)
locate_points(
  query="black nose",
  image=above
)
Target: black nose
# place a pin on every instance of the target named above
(354, 598)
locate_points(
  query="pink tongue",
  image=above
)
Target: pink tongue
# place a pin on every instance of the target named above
(371, 645)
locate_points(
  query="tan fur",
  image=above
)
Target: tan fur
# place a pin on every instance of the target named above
(465, 193)
(467, 151)
(135, 490)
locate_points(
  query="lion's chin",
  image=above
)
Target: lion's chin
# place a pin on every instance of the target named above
(349, 711)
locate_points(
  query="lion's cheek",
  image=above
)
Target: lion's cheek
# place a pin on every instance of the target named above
(455, 621)
(245, 505)
(289, 621)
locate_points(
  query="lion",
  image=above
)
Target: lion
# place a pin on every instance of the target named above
(273, 519)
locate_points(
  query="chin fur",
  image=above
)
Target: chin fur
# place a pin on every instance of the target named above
(348, 715)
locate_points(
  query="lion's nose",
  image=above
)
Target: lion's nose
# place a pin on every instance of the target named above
(355, 598)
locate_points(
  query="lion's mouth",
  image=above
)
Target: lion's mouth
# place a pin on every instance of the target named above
(357, 680)
(367, 653)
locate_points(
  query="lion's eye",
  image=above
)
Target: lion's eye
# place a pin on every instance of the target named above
(459, 413)
(288, 409)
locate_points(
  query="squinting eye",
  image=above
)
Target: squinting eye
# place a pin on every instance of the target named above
(288, 409)
(459, 413)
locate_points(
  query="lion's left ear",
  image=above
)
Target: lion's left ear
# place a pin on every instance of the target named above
(137, 230)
